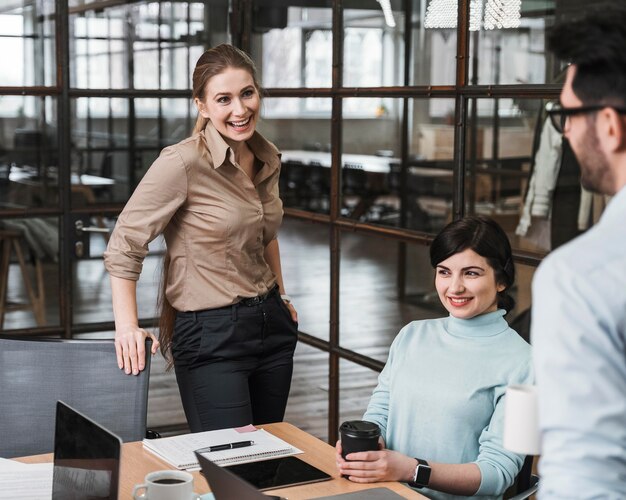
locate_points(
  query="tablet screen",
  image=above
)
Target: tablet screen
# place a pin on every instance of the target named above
(278, 473)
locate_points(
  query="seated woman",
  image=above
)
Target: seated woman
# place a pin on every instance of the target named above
(440, 398)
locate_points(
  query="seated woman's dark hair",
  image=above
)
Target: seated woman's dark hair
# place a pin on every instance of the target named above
(485, 237)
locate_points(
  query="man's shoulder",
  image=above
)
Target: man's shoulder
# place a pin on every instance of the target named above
(599, 247)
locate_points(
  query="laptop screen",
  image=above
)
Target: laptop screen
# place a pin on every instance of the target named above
(86, 458)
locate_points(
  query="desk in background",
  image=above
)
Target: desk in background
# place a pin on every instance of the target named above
(137, 462)
(30, 186)
(370, 184)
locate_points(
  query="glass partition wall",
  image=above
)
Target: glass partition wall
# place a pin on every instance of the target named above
(394, 117)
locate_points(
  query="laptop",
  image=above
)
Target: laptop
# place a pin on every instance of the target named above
(86, 458)
(243, 481)
(225, 485)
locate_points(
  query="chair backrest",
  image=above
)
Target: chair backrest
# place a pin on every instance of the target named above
(35, 373)
(524, 482)
(533, 486)
(28, 147)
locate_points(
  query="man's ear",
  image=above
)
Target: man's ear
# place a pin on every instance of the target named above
(201, 108)
(612, 132)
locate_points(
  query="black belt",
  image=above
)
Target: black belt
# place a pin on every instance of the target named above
(259, 299)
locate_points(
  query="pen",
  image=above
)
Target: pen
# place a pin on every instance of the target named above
(227, 446)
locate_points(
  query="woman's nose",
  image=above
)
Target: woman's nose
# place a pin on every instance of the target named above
(457, 285)
(238, 107)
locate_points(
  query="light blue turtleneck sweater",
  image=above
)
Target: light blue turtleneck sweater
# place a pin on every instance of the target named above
(440, 395)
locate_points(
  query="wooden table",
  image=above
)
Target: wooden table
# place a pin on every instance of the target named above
(136, 463)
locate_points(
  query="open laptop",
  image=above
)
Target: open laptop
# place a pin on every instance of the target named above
(86, 458)
(225, 485)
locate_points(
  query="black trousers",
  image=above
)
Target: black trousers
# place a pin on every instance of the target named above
(234, 364)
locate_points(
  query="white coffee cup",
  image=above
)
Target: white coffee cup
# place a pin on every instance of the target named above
(521, 422)
(166, 485)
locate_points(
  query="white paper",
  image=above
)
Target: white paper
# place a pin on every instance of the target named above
(7, 464)
(521, 426)
(26, 481)
(179, 450)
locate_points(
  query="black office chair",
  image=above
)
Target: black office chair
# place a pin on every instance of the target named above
(533, 487)
(27, 146)
(35, 373)
(526, 483)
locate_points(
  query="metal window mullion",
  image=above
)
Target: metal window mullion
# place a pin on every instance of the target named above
(335, 232)
(404, 150)
(460, 108)
(66, 293)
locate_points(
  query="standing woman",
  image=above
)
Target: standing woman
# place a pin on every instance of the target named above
(440, 398)
(225, 317)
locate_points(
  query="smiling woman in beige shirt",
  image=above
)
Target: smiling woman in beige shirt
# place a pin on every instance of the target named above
(225, 318)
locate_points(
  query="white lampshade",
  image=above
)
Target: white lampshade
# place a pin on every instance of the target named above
(521, 425)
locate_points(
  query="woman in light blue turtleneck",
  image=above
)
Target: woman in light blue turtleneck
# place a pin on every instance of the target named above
(439, 400)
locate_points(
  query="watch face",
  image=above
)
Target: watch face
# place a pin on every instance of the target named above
(423, 475)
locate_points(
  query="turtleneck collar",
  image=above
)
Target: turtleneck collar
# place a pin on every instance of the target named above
(484, 325)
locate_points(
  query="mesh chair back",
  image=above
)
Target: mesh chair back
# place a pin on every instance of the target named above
(34, 374)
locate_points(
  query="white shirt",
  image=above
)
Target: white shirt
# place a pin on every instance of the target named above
(579, 346)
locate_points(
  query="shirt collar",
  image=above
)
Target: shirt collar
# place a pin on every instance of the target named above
(616, 207)
(221, 151)
(484, 325)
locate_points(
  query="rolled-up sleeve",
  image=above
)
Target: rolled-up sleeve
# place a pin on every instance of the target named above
(498, 466)
(158, 196)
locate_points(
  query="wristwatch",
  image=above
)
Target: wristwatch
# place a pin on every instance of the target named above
(422, 474)
(286, 298)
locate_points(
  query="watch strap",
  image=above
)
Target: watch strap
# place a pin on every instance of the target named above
(286, 298)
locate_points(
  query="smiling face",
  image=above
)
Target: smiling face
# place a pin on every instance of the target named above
(466, 285)
(232, 104)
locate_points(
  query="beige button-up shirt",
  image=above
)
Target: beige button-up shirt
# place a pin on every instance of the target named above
(216, 222)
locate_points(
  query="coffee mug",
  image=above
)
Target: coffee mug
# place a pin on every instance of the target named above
(166, 485)
(358, 435)
(521, 420)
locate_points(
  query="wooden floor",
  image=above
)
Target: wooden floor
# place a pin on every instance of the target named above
(370, 316)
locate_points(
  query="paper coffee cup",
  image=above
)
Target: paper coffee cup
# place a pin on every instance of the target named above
(521, 420)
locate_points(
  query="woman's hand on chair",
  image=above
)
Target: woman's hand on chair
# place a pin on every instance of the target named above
(130, 348)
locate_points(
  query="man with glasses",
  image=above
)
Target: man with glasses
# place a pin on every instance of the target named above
(579, 291)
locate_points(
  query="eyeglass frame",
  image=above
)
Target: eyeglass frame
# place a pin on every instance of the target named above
(559, 115)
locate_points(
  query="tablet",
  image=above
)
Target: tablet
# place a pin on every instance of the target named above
(278, 473)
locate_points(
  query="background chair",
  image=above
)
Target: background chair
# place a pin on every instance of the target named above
(531, 490)
(35, 373)
(526, 483)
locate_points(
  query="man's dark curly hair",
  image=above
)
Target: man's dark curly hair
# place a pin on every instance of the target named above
(596, 44)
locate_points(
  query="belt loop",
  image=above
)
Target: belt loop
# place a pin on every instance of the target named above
(195, 316)
(233, 312)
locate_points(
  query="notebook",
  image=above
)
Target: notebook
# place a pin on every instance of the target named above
(178, 451)
(86, 458)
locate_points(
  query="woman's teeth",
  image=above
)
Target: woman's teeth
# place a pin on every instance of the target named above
(459, 301)
(241, 123)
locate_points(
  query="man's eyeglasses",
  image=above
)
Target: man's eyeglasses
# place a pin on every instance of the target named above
(559, 115)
